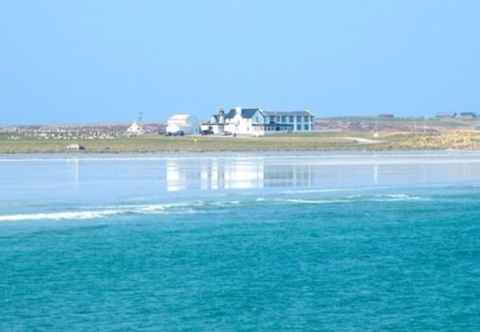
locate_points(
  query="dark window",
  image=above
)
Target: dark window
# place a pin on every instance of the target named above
(284, 118)
(306, 127)
(299, 127)
(299, 118)
(291, 118)
(305, 118)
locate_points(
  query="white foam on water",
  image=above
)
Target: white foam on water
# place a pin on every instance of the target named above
(195, 207)
(225, 203)
(314, 201)
(72, 215)
(108, 211)
(319, 191)
(150, 208)
(397, 198)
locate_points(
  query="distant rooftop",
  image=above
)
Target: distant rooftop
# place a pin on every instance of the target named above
(247, 113)
(287, 113)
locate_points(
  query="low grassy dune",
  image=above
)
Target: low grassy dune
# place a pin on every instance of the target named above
(304, 142)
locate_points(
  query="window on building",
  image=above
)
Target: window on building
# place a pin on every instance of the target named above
(291, 118)
(306, 118)
(278, 118)
(299, 118)
(306, 127)
(272, 119)
(284, 118)
(299, 127)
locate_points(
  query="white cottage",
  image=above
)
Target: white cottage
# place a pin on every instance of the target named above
(135, 129)
(245, 121)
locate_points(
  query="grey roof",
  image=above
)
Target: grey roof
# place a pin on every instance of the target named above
(287, 113)
(230, 114)
(247, 113)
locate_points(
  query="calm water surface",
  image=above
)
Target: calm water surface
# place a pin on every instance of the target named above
(244, 242)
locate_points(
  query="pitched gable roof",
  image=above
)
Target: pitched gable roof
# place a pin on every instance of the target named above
(230, 114)
(246, 113)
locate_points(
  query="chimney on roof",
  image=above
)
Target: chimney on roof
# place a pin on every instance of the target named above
(221, 116)
(238, 111)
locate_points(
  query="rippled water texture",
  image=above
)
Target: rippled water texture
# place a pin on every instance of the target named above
(246, 242)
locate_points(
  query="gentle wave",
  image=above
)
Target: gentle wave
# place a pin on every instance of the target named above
(184, 208)
(355, 198)
(314, 201)
(398, 197)
(195, 207)
(318, 191)
(77, 215)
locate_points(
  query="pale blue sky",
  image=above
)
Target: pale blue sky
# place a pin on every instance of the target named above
(106, 60)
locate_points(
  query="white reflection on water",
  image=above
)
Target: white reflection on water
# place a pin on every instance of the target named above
(244, 173)
(214, 174)
(375, 174)
(113, 178)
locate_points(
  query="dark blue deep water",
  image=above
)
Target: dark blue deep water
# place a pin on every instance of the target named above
(248, 243)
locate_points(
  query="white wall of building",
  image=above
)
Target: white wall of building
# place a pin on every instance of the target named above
(186, 123)
(246, 126)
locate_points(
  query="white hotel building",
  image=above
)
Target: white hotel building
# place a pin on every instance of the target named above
(296, 121)
(257, 122)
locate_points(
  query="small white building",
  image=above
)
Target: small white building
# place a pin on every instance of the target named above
(135, 129)
(245, 121)
(183, 124)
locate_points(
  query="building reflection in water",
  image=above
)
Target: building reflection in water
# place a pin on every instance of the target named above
(214, 174)
(241, 173)
(176, 177)
(264, 172)
(375, 174)
(211, 174)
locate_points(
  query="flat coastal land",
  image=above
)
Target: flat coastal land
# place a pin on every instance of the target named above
(343, 134)
(306, 142)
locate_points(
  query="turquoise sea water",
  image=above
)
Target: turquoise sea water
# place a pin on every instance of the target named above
(306, 242)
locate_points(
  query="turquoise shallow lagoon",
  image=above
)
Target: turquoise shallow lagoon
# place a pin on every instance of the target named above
(244, 242)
